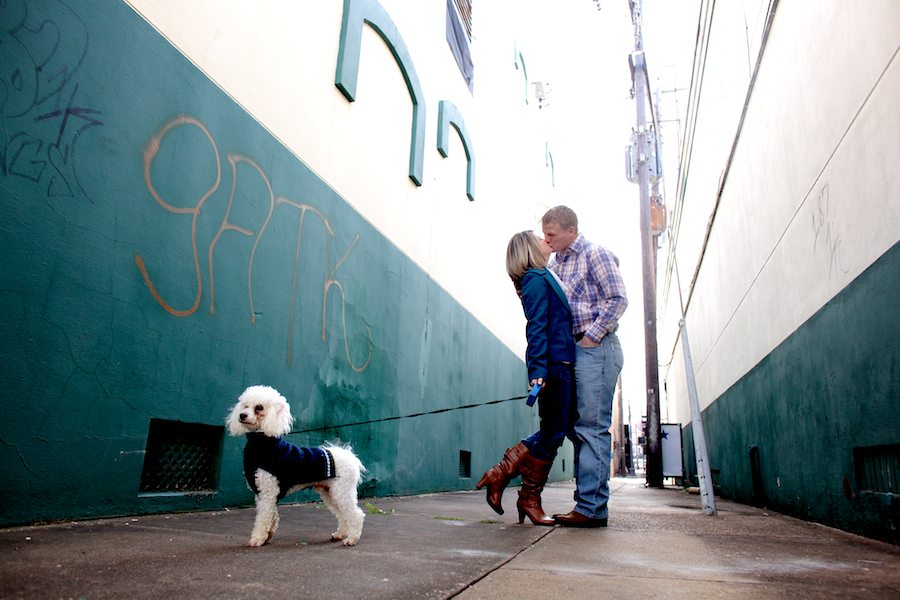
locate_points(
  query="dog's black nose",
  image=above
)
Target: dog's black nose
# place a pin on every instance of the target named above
(243, 417)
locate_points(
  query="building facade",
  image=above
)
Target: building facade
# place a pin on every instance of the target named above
(201, 196)
(784, 245)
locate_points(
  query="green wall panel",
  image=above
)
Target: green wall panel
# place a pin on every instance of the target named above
(833, 386)
(162, 251)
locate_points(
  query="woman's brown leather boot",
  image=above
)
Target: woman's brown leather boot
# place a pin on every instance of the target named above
(498, 477)
(534, 477)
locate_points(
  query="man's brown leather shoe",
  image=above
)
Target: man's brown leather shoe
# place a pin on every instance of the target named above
(576, 519)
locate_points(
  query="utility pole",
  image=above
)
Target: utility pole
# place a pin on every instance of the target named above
(648, 243)
(619, 426)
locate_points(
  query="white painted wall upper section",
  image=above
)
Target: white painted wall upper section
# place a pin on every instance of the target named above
(810, 200)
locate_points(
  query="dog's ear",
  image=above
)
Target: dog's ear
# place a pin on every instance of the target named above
(233, 422)
(279, 420)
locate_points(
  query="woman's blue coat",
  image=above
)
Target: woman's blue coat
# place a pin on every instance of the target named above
(549, 327)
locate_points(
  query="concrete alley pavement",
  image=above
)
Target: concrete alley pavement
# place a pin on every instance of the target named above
(447, 545)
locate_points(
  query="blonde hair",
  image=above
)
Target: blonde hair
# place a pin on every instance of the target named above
(523, 253)
(563, 215)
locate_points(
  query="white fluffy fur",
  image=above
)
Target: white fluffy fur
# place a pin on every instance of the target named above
(262, 408)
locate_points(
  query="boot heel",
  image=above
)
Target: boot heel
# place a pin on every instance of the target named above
(498, 477)
(521, 516)
(534, 476)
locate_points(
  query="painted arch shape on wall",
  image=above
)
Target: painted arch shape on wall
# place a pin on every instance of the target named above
(449, 115)
(517, 59)
(356, 13)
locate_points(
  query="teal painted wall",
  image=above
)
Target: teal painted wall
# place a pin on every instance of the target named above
(832, 386)
(162, 251)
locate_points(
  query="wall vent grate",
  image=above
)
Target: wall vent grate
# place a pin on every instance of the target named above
(181, 457)
(465, 464)
(877, 468)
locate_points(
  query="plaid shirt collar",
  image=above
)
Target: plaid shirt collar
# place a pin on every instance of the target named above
(574, 249)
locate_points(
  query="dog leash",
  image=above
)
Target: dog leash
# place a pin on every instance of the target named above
(410, 416)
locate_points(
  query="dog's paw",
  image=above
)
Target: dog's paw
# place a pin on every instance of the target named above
(350, 542)
(337, 537)
(256, 542)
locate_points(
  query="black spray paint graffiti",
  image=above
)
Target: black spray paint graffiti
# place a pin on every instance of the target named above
(252, 169)
(42, 47)
(825, 231)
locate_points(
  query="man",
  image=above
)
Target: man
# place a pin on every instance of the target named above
(597, 297)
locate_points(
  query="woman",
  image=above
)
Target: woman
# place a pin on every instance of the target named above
(550, 358)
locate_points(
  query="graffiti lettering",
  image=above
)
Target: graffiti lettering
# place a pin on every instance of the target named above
(234, 160)
(194, 211)
(228, 225)
(303, 208)
(329, 282)
(40, 120)
(826, 236)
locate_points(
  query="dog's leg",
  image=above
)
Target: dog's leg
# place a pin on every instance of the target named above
(350, 516)
(266, 509)
(325, 494)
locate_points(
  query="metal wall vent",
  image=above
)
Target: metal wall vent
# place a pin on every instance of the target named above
(181, 457)
(877, 468)
(465, 464)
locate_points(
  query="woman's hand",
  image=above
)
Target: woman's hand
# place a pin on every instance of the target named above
(539, 381)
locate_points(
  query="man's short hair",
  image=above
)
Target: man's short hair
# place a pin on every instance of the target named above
(563, 215)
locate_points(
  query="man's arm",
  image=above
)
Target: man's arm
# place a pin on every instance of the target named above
(609, 296)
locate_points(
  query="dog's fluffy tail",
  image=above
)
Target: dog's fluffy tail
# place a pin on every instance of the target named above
(338, 445)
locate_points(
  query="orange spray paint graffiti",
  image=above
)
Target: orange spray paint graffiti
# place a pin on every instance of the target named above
(234, 160)
(149, 155)
(227, 225)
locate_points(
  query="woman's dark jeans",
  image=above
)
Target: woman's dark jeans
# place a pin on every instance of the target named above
(556, 407)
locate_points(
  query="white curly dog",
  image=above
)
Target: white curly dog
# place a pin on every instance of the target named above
(274, 467)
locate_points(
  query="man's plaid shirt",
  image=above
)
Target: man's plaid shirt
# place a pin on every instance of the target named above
(594, 287)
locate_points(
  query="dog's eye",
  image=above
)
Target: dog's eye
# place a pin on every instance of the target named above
(259, 408)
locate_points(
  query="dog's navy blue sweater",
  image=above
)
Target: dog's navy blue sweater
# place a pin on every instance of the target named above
(290, 464)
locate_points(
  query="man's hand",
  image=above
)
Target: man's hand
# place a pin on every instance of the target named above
(587, 342)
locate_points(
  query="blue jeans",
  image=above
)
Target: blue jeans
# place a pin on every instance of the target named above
(596, 372)
(556, 407)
